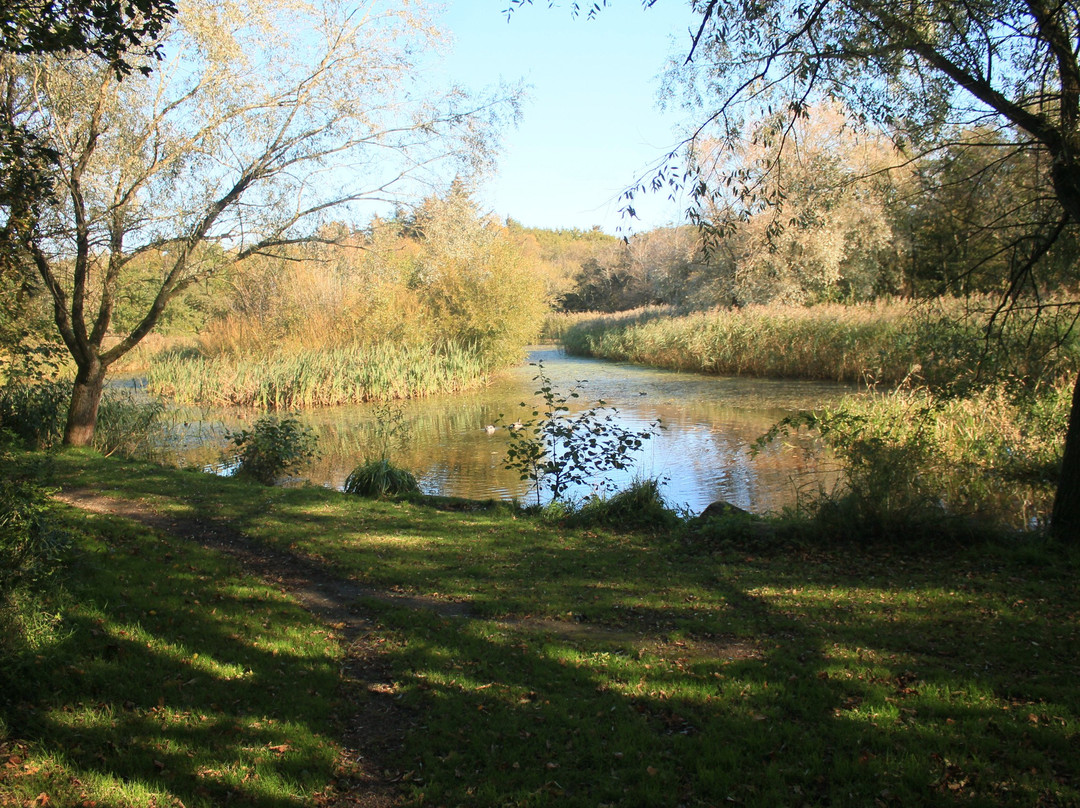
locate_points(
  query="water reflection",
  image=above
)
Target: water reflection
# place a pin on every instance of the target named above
(702, 451)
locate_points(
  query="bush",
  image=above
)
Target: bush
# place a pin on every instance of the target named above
(273, 447)
(557, 450)
(380, 478)
(35, 412)
(30, 544)
(641, 506)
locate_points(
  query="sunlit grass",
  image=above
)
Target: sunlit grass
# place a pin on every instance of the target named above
(166, 684)
(602, 668)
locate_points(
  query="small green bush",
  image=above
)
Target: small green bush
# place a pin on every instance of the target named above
(639, 507)
(30, 544)
(273, 447)
(380, 478)
(557, 449)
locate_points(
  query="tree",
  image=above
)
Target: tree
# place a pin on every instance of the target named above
(825, 235)
(474, 280)
(261, 121)
(111, 32)
(917, 70)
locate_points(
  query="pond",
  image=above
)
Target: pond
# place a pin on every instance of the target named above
(701, 453)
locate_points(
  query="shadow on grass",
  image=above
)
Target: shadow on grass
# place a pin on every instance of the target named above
(854, 677)
(864, 710)
(171, 678)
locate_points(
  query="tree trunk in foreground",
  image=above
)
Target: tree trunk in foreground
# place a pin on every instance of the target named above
(83, 411)
(1065, 518)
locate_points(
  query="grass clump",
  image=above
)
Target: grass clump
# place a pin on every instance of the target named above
(640, 506)
(380, 478)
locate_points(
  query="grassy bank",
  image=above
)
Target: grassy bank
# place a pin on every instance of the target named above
(316, 377)
(597, 667)
(885, 342)
(160, 676)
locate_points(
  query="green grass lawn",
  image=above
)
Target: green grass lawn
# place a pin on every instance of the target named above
(598, 668)
(168, 679)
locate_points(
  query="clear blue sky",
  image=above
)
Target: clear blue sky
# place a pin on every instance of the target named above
(591, 125)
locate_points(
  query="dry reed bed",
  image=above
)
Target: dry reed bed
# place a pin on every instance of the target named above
(885, 342)
(317, 378)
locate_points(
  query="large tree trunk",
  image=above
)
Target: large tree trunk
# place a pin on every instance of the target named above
(1065, 519)
(85, 398)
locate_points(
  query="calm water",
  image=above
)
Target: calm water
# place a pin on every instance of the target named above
(701, 453)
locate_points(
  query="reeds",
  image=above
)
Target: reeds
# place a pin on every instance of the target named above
(886, 342)
(910, 455)
(318, 378)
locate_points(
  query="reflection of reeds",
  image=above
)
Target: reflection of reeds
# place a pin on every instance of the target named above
(326, 377)
(884, 342)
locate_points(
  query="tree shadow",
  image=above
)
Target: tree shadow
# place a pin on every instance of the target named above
(827, 704)
(176, 676)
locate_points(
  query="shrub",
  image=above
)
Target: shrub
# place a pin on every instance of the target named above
(380, 478)
(274, 446)
(35, 411)
(641, 506)
(30, 544)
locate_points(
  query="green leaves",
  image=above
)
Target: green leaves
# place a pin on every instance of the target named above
(274, 446)
(557, 450)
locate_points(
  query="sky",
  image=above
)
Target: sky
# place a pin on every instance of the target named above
(590, 125)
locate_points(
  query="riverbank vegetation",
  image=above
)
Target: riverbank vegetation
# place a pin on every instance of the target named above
(594, 666)
(426, 303)
(885, 343)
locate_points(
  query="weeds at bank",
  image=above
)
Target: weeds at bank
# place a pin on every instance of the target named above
(317, 378)
(601, 668)
(916, 464)
(34, 413)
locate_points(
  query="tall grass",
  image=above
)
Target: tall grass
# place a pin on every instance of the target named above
(885, 342)
(318, 378)
(915, 462)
